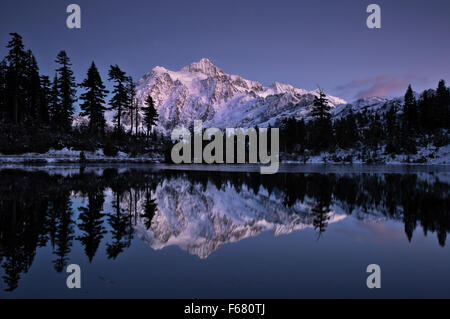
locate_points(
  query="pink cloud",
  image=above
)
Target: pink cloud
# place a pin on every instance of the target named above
(380, 85)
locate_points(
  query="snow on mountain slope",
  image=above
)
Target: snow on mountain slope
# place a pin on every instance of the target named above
(371, 105)
(374, 105)
(203, 91)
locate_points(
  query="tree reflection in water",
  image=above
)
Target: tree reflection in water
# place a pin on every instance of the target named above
(37, 209)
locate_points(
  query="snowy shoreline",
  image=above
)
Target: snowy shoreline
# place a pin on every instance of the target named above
(425, 156)
(428, 155)
(73, 156)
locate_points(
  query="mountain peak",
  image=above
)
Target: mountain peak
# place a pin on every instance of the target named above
(281, 87)
(204, 66)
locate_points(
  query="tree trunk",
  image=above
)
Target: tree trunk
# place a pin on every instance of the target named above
(131, 127)
(119, 115)
(137, 115)
(15, 110)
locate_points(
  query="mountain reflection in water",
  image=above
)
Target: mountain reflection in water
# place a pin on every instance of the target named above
(197, 211)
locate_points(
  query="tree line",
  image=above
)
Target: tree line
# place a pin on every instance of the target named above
(36, 103)
(37, 112)
(397, 128)
(401, 129)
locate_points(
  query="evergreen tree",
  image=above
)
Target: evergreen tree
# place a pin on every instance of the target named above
(352, 129)
(442, 110)
(322, 189)
(321, 128)
(32, 90)
(340, 132)
(150, 114)
(374, 133)
(391, 130)
(409, 128)
(66, 90)
(93, 105)
(320, 213)
(119, 101)
(121, 230)
(293, 134)
(131, 101)
(91, 224)
(150, 208)
(320, 108)
(15, 77)
(424, 109)
(64, 229)
(410, 111)
(137, 118)
(2, 90)
(54, 103)
(45, 100)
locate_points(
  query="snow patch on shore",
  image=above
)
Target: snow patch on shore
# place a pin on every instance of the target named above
(66, 155)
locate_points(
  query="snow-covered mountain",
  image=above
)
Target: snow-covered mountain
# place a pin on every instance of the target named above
(203, 91)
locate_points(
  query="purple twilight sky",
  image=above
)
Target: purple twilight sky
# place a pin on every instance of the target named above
(303, 43)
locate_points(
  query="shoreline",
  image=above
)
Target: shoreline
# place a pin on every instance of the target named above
(424, 156)
(329, 168)
(46, 160)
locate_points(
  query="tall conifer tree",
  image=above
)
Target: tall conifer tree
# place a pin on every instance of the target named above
(119, 100)
(94, 99)
(150, 114)
(410, 111)
(2, 90)
(66, 90)
(32, 90)
(54, 103)
(321, 108)
(442, 110)
(45, 100)
(131, 102)
(15, 77)
(322, 126)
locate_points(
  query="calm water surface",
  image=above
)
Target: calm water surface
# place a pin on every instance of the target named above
(160, 232)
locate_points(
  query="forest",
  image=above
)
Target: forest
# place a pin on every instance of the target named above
(37, 111)
(402, 128)
(37, 114)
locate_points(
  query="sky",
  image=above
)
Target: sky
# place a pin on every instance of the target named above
(303, 43)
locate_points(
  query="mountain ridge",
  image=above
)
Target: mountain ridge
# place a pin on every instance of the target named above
(203, 91)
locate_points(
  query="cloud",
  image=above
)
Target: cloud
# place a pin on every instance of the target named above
(381, 85)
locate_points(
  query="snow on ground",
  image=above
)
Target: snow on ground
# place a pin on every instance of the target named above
(429, 155)
(66, 155)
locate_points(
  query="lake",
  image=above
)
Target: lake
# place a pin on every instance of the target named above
(158, 231)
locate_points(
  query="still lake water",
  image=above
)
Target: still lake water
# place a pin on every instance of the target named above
(163, 232)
